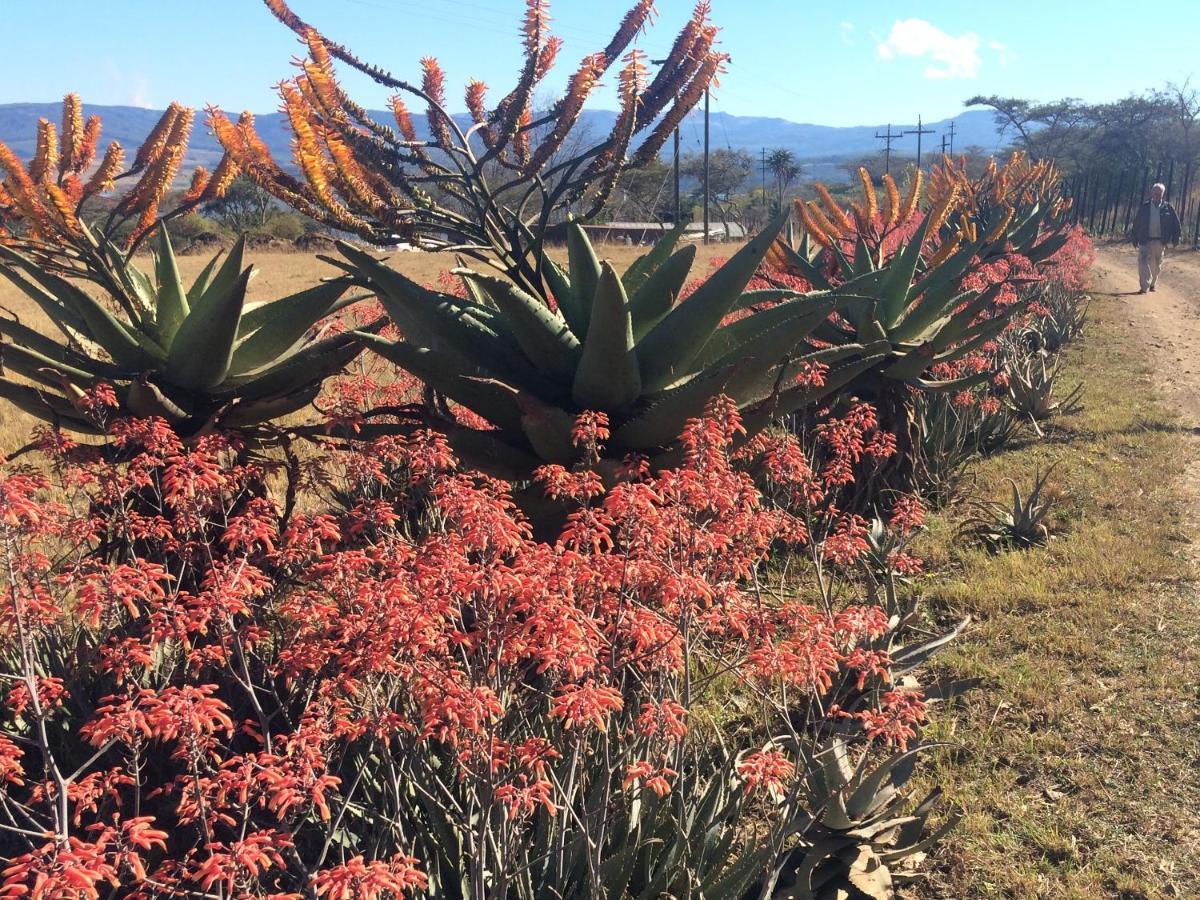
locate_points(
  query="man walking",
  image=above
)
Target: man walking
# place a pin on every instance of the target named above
(1155, 226)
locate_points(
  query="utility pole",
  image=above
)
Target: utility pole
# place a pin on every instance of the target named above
(951, 137)
(920, 130)
(678, 212)
(943, 145)
(764, 180)
(887, 139)
(706, 96)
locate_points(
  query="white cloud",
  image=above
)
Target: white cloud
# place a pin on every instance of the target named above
(952, 57)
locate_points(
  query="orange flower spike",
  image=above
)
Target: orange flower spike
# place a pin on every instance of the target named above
(822, 226)
(582, 83)
(222, 178)
(319, 71)
(891, 206)
(809, 225)
(837, 216)
(870, 201)
(476, 100)
(156, 140)
(403, 119)
(537, 21)
(72, 135)
(199, 186)
(433, 83)
(1001, 226)
(45, 157)
(912, 198)
(944, 251)
(20, 187)
(86, 154)
(306, 150)
(104, 177)
(546, 58)
(521, 139)
(635, 20)
(939, 214)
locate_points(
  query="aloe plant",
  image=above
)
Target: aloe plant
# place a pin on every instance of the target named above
(1033, 380)
(1021, 522)
(195, 355)
(622, 345)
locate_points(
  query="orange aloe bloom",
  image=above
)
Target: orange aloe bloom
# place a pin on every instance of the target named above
(198, 188)
(45, 157)
(891, 208)
(836, 214)
(870, 202)
(156, 141)
(635, 20)
(65, 209)
(581, 85)
(85, 155)
(912, 198)
(226, 172)
(20, 188)
(816, 229)
(1000, 226)
(73, 135)
(403, 119)
(103, 178)
(943, 252)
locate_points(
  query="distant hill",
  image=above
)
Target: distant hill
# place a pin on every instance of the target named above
(130, 125)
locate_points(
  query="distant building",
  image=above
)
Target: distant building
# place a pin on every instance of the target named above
(648, 232)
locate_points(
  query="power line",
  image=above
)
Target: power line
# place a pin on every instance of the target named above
(888, 139)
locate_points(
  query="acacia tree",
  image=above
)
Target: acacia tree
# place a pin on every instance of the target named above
(784, 168)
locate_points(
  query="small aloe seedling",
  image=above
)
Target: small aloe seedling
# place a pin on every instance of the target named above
(1032, 382)
(1020, 523)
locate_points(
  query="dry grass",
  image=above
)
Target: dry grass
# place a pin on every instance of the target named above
(1076, 755)
(282, 273)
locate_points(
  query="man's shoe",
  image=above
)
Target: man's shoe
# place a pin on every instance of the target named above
(1152, 288)
(1141, 290)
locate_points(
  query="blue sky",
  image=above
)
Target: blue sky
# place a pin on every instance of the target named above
(838, 64)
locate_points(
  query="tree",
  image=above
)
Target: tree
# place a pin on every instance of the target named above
(784, 168)
(728, 172)
(644, 194)
(245, 206)
(1043, 128)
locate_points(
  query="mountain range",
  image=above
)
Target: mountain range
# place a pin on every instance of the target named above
(811, 143)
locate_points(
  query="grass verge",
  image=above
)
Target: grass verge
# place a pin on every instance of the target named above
(1075, 758)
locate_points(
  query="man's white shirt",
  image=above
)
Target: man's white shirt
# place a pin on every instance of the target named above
(1154, 228)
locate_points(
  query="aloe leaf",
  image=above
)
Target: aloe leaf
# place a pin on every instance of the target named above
(666, 351)
(314, 363)
(200, 285)
(792, 399)
(488, 452)
(255, 412)
(548, 429)
(224, 279)
(49, 407)
(126, 346)
(648, 263)
(40, 367)
(33, 340)
(429, 319)
(750, 299)
(544, 337)
(730, 338)
(564, 296)
(897, 284)
(203, 347)
(493, 400)
(64, 317)
(657, 293)
(800, 260)
(145, 399)
(585, 273)
(607, 376)
(663, 419)
(285, 322)
(954, 384)
(171, 307)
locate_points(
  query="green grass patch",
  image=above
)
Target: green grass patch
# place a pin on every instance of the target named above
(1075, 759)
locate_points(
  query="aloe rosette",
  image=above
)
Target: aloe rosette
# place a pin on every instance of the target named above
(197, 356)
(624, 345)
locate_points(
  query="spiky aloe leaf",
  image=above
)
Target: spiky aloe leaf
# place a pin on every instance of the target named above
(648, 263)
(450, 375)
(585, 274)
(607, 376)
(203, 347)
(64, 318)
(223, 280)
(750, 299)
(284, 323)
(438, 321)
(896, 288)
(800, 259)
(662, 421)
(26, 337)
(204, 279)
(544, 337)
(172, 306)
(666, 351)
(40, 367)
(146, 399)
(729, 338)
(656, 294)
(255, 412)
(126, 346)
(548, 429)
(45, 405)
(564, 296)
(314, 363)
